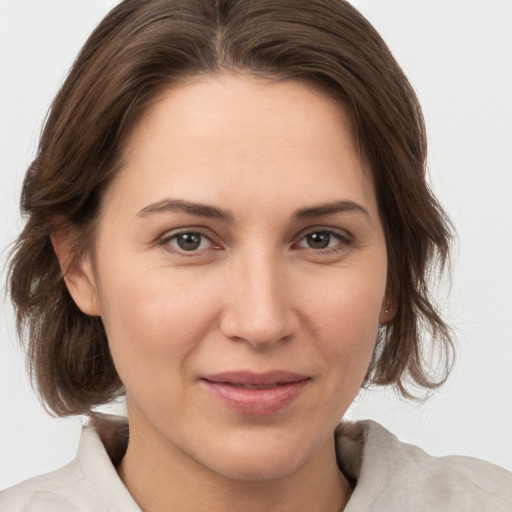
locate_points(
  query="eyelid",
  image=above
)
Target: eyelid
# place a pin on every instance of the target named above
(164, 240)
(337, 232)
(344, 237)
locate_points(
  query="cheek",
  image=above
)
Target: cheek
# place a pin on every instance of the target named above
(344, 321)
(154, 320)
(348, 307)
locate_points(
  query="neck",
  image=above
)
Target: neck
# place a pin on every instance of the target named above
(162, 477)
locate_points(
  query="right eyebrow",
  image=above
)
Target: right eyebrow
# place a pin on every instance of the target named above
(192, 208)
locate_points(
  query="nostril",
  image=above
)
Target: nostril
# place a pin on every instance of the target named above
(258, 331)
(257, 310)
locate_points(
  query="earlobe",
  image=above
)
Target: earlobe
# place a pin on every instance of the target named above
(79, 277)
(387, 312)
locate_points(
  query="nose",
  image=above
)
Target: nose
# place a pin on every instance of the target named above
(258, 307)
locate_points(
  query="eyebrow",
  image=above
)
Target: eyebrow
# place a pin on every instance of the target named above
(331, 209)
(212, 212)
(192, 208)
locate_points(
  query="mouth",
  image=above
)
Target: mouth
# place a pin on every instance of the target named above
(256, 393)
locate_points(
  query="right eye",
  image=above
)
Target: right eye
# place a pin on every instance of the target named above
(189, 241)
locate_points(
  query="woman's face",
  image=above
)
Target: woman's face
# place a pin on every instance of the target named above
(241, 274)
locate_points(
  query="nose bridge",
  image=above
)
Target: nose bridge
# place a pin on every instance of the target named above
(258, 310)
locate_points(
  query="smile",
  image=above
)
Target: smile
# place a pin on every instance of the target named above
(255, 394)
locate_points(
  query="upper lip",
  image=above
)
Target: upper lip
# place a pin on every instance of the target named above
(248, 378)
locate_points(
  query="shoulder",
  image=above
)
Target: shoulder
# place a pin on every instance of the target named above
(58, 491)
(393, 474)
(87, 484)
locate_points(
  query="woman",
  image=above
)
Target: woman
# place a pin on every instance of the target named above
(228, 221)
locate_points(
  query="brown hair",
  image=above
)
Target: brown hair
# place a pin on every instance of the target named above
(141, 48)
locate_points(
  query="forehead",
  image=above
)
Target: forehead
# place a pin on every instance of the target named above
(239, 138)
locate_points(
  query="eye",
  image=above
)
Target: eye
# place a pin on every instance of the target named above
(189, 241)
(322, 240)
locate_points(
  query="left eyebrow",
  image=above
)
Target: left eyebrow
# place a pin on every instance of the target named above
(331, 209)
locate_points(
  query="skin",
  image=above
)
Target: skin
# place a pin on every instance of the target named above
(256, 294)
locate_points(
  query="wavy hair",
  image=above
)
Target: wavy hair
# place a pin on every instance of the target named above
(140, 49)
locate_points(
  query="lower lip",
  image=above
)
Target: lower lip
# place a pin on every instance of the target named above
(256, 401)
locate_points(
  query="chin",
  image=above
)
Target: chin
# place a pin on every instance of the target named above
(248, 469)
(256, 460)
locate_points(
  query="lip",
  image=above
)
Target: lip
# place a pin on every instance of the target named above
(255, 393)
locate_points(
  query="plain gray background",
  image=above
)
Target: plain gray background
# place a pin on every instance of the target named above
(458, 56)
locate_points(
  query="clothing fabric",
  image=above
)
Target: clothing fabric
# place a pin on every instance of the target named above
(389, 476)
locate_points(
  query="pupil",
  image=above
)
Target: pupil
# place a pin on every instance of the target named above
(189, 241)
(318, 240)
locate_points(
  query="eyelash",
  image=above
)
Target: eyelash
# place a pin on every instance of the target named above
(344, 240)
(167, 239)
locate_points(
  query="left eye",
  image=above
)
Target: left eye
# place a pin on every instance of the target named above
(189, 241)
(320, 240)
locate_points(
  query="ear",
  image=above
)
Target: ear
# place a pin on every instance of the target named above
(79, 277)
(387, 312)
